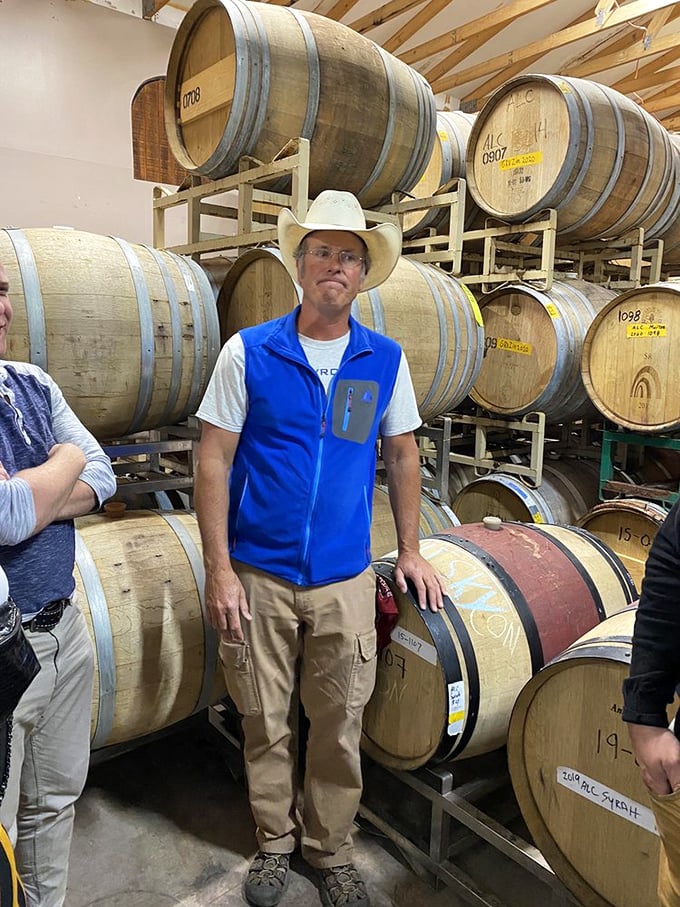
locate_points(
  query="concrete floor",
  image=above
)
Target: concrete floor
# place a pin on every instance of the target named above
(167, 823)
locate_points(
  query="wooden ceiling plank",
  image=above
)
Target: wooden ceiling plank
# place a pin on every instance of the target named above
(415, 23)
(632, 55)
(151, 7)
(504, 14)
(651, 79)
(652, 105)
(672, 123)
(617, 42)
(383, 14)
(340, 8)
(659, 19)
(569, 35)
(460, 53)
(477, 98)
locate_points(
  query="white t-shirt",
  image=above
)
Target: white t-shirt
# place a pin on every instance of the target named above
(225, 403)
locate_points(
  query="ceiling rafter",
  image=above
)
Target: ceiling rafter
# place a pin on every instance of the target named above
(460, 53)
(653, 78)
(632, 55)
(383, 14)
(425, 15)
(568, 35)
(476, 99)
(504, 14)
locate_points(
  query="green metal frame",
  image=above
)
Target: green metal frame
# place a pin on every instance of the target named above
(609, 487)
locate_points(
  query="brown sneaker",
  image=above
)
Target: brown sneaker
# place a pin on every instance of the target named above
(342, 885)
(267, 879)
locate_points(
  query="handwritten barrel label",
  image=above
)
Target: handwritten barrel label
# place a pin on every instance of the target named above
(521, 160)
(607, 798)
(646, 330)
(415, 644)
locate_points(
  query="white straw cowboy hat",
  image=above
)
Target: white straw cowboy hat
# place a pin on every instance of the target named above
(335, 210)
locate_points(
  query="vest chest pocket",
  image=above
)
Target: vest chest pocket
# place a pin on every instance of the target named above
(354, 408)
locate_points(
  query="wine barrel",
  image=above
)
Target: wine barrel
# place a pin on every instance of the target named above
(630, 366)
(245, 78)
(515, 598)
(568, 490)
(432, 315)
(446, 163)
(434, 517)
(597, 157)
(627, 526)
(533, 343)
(140, 584)
(128, 332)
(575, 777)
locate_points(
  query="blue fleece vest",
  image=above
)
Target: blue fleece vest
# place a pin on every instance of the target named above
(301, 487)
(40, 569)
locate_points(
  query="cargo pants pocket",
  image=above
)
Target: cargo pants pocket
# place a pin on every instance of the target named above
(364, 665)
(239, 674)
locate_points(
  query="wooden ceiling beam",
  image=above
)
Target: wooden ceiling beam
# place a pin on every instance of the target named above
(151, 7)
(651, 79)
(672, 123)
(383, 14)
(632, 55)
(569, 35)
(460, 53)
(340, 8)
(652, 105)
(505, 14)
(415, 23)
(475, 100)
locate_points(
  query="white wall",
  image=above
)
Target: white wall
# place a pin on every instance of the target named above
(69, 72)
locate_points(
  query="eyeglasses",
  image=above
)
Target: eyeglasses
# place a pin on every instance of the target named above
(346, 259)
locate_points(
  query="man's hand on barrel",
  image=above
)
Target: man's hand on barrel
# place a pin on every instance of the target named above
(429, 585)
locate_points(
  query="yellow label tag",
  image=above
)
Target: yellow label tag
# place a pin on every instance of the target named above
(514, 346)
(456, 716)
(646, 330)
(552, 311)
(521, 160)
(537, 518)
(443, 136)
(473, 303)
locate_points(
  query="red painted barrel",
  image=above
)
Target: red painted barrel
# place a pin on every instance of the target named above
(516, 597)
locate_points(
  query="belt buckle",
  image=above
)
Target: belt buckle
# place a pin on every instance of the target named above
(49, 617)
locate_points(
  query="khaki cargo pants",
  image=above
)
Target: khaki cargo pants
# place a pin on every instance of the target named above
(331, 629)
(667, 814)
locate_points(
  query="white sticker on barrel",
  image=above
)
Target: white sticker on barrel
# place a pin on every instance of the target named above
(415, 645)
(456, 708)
(608, 799)
(521, 160)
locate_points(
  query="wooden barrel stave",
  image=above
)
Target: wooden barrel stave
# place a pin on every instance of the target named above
(629, 365)
(577, 146)
(139, 581)
(228, 94)
(569, 488)
(533, 343)
(515, 598)
(129, 333)
(628, 526)
(572, 768)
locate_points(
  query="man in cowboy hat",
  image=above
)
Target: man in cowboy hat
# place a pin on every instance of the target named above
(283, 493)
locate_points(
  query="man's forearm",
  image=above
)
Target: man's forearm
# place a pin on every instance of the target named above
(211, 501)
(403, 481)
